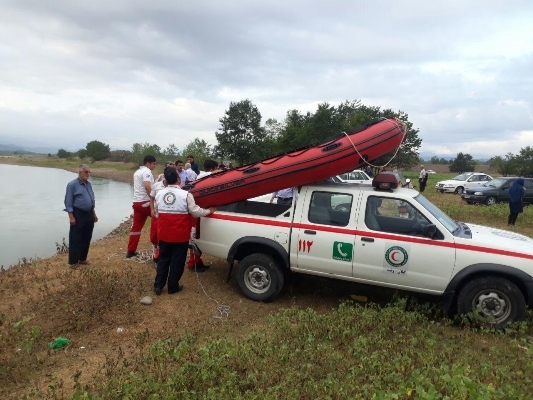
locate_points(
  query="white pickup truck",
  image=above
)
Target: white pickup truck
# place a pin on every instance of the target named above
(382, 235)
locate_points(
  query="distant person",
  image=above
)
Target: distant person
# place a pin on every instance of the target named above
(368, 171)
(422, 178)
(161, 177)
(210, 166)
(191, 175)
(142, 187)
(181, 172)
(194, 166)
(79, 204)
(285, 196)
(516, 192)
(175, 207)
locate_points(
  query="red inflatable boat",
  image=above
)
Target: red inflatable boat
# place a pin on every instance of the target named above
(334, 156)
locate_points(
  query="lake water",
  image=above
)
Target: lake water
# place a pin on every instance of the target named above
(32, 219)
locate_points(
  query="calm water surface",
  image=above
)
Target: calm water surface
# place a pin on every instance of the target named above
(32, 219)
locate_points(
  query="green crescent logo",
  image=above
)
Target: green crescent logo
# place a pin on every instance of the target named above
(169, 198)
(396, 256)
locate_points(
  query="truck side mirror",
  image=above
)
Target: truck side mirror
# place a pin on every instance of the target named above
(430, 230)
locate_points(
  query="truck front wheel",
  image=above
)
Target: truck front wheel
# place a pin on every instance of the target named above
(260, 277)
(496, 301)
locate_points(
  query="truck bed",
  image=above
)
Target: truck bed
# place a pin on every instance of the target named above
(255, 208)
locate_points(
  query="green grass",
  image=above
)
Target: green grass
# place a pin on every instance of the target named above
(71, 163)
(353, 352)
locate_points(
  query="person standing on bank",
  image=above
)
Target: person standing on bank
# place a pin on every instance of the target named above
(79, 204)
(516, 192)
(422, 178)
(142, 186)
(194, 166)
(181, 172)
(175, 209)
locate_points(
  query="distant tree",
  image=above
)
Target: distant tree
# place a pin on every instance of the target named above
(139, 151)
(82, 153)
(97, 150)
(443, 161)
(171, 152)
(462, 163)
(120, 156)
(240, 136)
(62, 153)
(49, 155)
(434, 160)
(525, 161)
(272, 131)
(200, 150)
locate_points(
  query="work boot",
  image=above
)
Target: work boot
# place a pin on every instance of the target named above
(131, 254)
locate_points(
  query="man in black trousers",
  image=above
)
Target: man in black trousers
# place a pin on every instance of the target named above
(79, 204)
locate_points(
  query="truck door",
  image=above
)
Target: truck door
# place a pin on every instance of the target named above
(322, 241)
(391, 248)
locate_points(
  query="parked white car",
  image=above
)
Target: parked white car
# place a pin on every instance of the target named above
(463, 181)
(430, 171)
(356, 176)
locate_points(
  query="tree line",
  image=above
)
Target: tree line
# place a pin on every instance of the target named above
(242, 138)
(520, 164)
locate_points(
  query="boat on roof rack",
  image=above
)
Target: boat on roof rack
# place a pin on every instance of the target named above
(336, 155)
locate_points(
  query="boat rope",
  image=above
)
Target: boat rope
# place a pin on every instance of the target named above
(142, 256)
(222, 309)
(399, 125)
(146, 255)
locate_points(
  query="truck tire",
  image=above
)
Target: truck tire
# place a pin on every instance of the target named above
(497, 301)
(260, 277)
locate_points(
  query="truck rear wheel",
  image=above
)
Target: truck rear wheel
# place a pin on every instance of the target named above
(496, 301)
(260, 277)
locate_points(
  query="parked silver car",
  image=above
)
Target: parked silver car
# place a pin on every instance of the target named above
(461, 182)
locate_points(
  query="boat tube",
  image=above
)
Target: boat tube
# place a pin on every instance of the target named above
(344, 152)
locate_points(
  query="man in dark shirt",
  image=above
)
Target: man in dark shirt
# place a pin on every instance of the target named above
(79, 204)
(194, 166)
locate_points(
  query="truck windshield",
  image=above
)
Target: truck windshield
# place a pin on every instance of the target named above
(437, 213)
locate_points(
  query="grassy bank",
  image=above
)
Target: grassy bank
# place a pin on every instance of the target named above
(319, 339)
(118, 171)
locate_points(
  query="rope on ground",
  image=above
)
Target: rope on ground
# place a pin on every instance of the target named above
(399, 125)
(222, 309)
(142, 256)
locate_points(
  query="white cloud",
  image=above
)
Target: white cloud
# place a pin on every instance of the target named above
(164, 72)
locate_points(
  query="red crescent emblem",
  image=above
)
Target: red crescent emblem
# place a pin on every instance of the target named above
(393, 254)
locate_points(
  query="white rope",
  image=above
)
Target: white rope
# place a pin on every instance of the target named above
(223, 310)
(394, 155)
(143, 256)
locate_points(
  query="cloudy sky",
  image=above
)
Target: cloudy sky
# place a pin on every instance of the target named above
(165, 71)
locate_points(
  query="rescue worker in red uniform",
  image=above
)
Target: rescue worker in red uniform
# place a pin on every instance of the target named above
(142, 186)
(176, 209)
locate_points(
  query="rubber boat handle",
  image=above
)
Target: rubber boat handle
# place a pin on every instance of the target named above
(310, 232)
